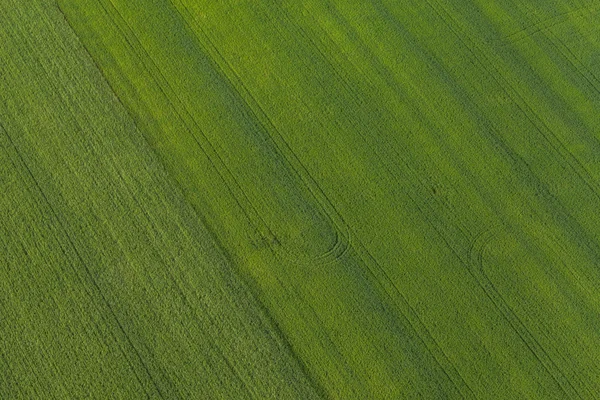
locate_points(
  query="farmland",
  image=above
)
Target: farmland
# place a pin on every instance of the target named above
(294, 200)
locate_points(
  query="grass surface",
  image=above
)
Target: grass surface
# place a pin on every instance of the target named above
(278, 199)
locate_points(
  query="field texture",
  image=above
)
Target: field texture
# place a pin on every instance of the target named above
(267, 199)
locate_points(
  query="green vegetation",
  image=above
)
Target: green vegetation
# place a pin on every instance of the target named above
(294, 200)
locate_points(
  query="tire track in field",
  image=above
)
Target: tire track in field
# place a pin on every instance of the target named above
(545, 25)
(518, 162)
(281, 338)
(183, 114)
(94, 291)
(549, 137)
(228, 72)
(477, 261)
(69, 104)
(330, 343)
(476, 255)
(587, 74)
(550, 245)
(205, 145)
(552, 368)
(185, 300)
(517, 99)
(28, 175)
(372, 265)
(228, 360)
(356, 96)
(568, 54)
(391, 82)
(411, 318)
(176, 284)
(342, 240)
(577, 65)
(409, 314)
(154, 230)
(442, 236)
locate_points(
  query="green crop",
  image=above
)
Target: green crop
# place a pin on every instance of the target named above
(299, 199)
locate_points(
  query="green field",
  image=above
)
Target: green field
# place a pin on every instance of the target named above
(299, 199)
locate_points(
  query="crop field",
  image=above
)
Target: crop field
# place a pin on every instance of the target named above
(325, 199)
